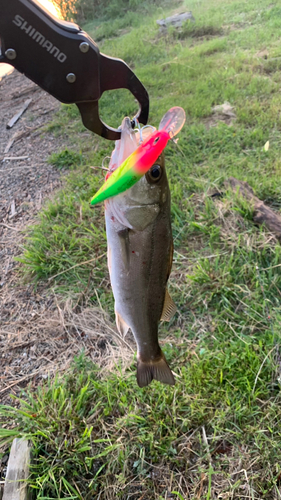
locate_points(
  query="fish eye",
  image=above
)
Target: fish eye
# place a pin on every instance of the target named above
(154, 174)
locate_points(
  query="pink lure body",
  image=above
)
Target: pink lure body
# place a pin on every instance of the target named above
(147, 153)
(134, 167)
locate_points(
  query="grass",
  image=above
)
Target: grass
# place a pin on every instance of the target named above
(95, 436)
(216, 433)
(65, 159)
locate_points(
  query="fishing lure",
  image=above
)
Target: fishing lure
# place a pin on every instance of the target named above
(142, 159)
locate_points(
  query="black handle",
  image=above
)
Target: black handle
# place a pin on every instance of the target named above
(116, 74)
(48, 51)
(64, 61)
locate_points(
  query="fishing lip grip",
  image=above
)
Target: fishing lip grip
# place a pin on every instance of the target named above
(63, 60)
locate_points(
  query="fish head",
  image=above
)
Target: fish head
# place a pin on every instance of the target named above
(139, 206)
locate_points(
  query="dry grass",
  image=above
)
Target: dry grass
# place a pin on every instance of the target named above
(41, 343)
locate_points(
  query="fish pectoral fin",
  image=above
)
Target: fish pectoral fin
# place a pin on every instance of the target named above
(122, 326)
(157, 369)
(124, 245)
(169, 308)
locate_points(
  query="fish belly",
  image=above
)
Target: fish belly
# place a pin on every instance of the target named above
(139, 266)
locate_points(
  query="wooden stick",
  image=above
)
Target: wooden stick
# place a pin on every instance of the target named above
(19, 135)
(17, 116)
(9, 227)
(13, 158)
(13, 209)
(9, 144)
(262, 213)
(15, 487)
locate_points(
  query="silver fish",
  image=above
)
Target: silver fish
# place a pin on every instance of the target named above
(140, 252)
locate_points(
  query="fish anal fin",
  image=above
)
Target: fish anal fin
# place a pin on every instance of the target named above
(154, 370)
(169, 307)
(122, 326)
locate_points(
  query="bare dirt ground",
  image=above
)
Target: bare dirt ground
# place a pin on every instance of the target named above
(26, 177)
(38, 335)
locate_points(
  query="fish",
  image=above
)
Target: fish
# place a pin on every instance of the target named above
(140, 254)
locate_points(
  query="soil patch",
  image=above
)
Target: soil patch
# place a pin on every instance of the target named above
(37, 334)
(42, 342)
(26, 177)
(222, 113)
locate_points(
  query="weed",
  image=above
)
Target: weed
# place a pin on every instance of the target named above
(195, 30)
(89, 434)
(66, 159)
(69, 233)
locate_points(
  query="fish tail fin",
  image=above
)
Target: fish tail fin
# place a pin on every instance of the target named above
(157, 369)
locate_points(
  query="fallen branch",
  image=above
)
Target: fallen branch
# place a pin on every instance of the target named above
(13, 209)
(9, 227)
(262, 213)
(14, 158)
(20, 135)
(17, 116)
(9, 144)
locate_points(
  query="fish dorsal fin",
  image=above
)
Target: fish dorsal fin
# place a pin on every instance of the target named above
(169, 308)
(122, 326)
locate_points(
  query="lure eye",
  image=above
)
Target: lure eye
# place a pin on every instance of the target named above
(154, 174)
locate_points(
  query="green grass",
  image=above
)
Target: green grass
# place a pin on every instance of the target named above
(224, 344)
(94, 436)
(65, 159)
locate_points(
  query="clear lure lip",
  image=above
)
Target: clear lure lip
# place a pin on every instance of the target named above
(173, 121)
